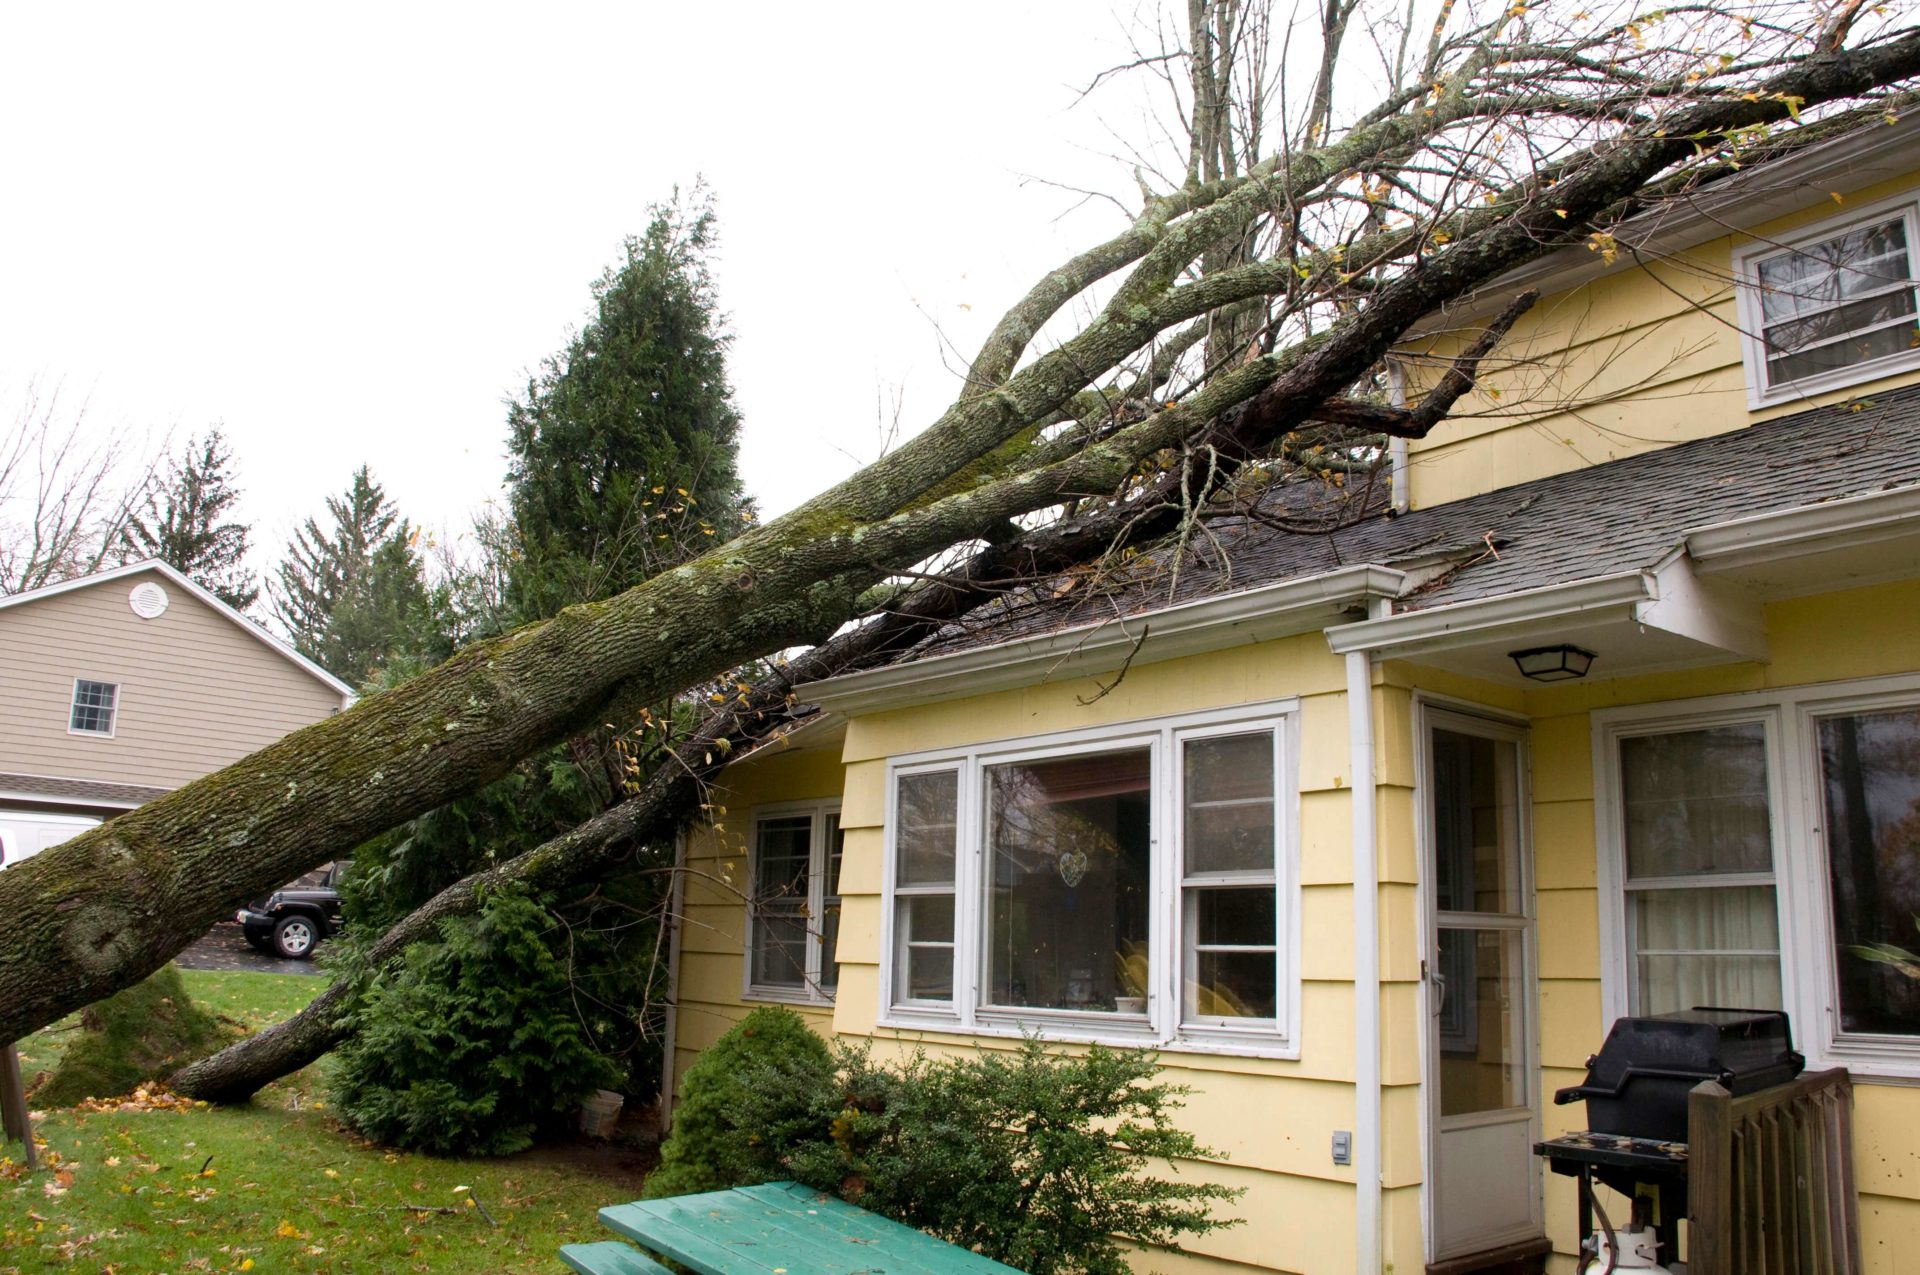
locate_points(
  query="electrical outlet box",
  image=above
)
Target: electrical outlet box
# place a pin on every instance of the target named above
(1342, 1147)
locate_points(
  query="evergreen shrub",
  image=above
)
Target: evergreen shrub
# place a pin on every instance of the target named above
(1042, 1161)
(473, 1046)
(744, 1104)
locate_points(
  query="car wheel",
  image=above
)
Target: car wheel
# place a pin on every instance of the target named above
(294, 937)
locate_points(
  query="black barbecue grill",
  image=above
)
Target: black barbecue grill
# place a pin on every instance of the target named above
(1636, 1095)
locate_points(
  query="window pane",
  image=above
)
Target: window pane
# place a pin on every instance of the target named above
(1481, 1024)
(1233, 985)
(925, 935)
(1476, 823)
(1695, 802)
(1879, 344)
(1870, 782)
(1716, 946)
(1234, 918)
(836, 851)
(781, 858)
(1823, 275)
(929, 975)
(1069, 844)
(830, 946)
(1228, 785)
(928, 814)
(780, 949)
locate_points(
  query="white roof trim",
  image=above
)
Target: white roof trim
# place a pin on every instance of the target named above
(1850, 522)
(1486, 619)
(346, 693)
(43, 799)
(1250, 615)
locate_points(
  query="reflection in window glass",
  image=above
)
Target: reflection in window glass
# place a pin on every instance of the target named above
(1870, 786)
(927, 815)
(1482, 1025)
(1231, 912)
(1843, 301)
(830, 906)
(1069, 844)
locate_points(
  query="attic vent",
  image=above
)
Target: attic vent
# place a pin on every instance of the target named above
(148, 600)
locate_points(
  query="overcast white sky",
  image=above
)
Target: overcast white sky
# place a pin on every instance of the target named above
(347, 232)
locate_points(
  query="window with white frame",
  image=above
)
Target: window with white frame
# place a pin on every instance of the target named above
(1832, 307)
(1767, 854)
(793, 905)
(1133, 882)
(93, 707)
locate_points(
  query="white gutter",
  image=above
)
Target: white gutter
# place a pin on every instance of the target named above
(1806, 529)
(1366, 967)
(1251, 615)
(1460, 623)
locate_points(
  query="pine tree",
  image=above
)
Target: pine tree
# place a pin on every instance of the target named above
(352, 596)
(180, 523)
(623, 448)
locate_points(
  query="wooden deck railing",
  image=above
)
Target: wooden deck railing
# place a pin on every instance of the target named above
(1770, 1186)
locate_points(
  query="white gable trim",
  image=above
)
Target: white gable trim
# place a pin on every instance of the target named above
(174, 577)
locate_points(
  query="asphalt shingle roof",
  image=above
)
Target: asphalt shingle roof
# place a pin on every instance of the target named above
(78, 790)
(1624, 515)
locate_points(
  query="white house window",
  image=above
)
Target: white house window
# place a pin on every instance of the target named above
(793, 910)
(1701, 912)
(1832, 308)
(93, 707)
(1131, 883)
(1870, 818)
(1765, 850)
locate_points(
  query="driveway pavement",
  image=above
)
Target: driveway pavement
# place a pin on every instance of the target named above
(224, 947)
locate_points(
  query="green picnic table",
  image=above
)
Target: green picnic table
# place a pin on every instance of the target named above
(781, 1228)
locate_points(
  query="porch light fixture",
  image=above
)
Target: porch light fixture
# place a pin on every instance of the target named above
(1561, 663)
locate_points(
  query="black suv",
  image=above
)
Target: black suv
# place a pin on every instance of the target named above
(295, 917)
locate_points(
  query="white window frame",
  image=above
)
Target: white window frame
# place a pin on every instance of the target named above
(812, 990)
(1746, 271)
(113, 716)
(1161, 1026)
(1808, 978)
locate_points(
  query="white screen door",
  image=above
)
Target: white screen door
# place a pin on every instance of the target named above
(1480, 989)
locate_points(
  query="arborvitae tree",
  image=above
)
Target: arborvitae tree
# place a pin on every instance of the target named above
(623, 446)
(182, 523)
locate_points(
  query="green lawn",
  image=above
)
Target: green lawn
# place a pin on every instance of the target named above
(273, 1186)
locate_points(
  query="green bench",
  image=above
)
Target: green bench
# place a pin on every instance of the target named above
(610, 1257)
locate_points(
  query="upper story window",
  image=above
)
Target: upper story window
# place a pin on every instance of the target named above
(1132, 883)
(1832, 307)
(793, 912)
(94, 704)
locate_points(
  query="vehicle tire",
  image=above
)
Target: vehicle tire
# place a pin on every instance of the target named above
(294, 936)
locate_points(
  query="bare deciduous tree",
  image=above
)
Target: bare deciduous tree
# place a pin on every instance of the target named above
(65, 496)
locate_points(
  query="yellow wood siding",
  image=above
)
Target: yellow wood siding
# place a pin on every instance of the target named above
(195, 691)
(1635, 360)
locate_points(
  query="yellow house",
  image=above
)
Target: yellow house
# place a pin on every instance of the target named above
(1374, 886)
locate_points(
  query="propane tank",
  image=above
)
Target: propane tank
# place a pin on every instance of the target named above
(1633, 1249)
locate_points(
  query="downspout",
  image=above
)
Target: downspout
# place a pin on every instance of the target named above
(1397, 478)
(676, 900)
(1366, 963)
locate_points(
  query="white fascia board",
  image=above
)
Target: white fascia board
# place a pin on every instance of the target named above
(256, 632)
(1252, 615)
(1806, 529)
(1485, 619)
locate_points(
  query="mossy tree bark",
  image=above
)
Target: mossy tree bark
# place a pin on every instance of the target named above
(102, 911)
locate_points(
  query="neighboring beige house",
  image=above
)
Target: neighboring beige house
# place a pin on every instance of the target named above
(119, 687)
(1373, 886)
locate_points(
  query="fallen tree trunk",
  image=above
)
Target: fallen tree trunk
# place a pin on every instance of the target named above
(672, 796)
(102, 911)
